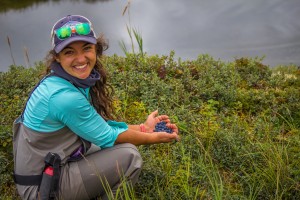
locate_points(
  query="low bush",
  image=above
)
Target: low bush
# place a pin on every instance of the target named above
(239, 124)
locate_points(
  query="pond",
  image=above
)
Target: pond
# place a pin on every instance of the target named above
(223, 29)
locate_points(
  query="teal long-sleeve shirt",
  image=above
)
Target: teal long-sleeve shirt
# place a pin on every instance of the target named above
(57, 103)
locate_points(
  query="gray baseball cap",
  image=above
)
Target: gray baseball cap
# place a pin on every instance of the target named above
(70, 29)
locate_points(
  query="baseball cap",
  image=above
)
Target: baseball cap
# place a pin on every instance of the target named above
(70, 29)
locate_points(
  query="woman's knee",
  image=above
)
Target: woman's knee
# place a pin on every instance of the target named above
(132, 154)
(131, 162)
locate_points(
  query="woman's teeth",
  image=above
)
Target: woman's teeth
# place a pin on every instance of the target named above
(80, 67)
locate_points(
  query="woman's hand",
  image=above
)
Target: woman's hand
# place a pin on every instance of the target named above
(153, 119)
(163, 137)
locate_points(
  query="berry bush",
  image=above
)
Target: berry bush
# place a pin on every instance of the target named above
(239, 124)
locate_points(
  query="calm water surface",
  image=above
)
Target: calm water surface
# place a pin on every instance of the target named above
(225, 29)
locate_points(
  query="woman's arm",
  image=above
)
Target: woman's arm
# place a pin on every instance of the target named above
(134, 127)
(140, 138)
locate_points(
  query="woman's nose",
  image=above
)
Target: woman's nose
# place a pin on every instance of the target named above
(81, 58)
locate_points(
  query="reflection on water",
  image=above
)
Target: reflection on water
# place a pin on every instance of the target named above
(224, 30)
(7, 5)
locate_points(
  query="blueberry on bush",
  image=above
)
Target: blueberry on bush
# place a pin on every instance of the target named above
(161, 127)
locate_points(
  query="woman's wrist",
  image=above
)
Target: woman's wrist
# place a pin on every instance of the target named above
(143, 128)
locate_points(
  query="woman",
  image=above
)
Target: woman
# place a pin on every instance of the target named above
(66, 143)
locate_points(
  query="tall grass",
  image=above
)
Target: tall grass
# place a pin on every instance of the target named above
(10, 50)
(212, 174)
(133, 33)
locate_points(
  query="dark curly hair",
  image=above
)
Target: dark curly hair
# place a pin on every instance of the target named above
(102, 92)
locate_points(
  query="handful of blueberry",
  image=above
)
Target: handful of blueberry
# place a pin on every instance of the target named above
(161, 127)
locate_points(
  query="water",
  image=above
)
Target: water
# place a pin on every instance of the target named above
(224, 29)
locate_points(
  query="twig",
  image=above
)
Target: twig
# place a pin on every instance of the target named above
(26, 57)
(11, 54)
(126, 7)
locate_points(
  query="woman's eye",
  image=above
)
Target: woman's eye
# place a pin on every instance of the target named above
(87, 48)
(68, 52)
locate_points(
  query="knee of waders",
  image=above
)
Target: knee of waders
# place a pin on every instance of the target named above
(134, 155)
(133, 162)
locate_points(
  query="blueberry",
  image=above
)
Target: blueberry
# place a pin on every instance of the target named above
(161, 127)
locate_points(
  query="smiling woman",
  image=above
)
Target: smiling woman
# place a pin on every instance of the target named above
(69, 115)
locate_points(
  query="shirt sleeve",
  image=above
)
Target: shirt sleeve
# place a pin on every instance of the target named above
(75, 111)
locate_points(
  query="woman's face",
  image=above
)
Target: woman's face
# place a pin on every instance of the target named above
(78, 59)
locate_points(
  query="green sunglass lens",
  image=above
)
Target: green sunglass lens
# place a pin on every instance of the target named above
(64, 32)
(83, 29)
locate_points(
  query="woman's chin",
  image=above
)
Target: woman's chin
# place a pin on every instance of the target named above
(82, 76)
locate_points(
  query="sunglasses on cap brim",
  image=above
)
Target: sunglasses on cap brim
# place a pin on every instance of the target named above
(72, 27)
(67, 30)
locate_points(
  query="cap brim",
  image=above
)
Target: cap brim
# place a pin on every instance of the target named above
(68, 41)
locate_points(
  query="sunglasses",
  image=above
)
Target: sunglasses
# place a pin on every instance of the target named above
(66, 31)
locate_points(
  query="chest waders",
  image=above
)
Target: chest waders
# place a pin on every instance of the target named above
(38, 158)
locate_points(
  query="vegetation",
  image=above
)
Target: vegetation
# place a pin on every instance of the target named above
(239, 123)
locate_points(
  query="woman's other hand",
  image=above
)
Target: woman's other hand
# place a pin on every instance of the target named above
(163, 137)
